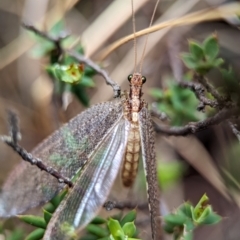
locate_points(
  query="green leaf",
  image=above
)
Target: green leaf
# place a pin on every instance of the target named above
(89, 236)
(116, 229)
(80, 49)
(230, 83)
(98, 220)
(67, 42)
(97, 230)
(67, 60)
(114, 226)
(57, 199)
(41, 49)
(129, 217)
(204, 67)
(176, 219)
(174, 102)
(105, 238)
(218, 62)
(80, 92)
(17, 234)
(87, 81)
(169, 173)
(212, 218)
(196, 50)
(88, 71)
(49, 207)
(33, 220)
(57, 28)
(169, 227)
(47, 216)
(185, 209)
(118, 216)
(228, 74)
(50, 71)
(210, 46)
(204, 214)
(208, 217)
(200, 207)
(189, 60)
(189, 225)
(36, 234)
(129, 229)
(156, 93)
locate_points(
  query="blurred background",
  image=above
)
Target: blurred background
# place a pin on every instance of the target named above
(207, 162)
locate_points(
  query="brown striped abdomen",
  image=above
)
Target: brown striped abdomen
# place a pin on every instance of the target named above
(131, 157)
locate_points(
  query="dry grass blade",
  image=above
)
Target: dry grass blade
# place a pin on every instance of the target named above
(104, 25)
(200, 159)
(222, 12)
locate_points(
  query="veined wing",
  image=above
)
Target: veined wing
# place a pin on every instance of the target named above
(92, 188)
(149, 163)
(67, 150)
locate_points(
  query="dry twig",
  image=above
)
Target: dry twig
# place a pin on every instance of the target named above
(12, 141)
(194, 127)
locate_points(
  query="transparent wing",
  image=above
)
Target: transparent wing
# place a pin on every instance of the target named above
(92, 188)
(149, 163)
(67, 150)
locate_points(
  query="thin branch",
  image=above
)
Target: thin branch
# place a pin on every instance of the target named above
(110, 205)
(55, 40)
(156, 113)
(234, 130)
(77, 56)
(211, 89)
(13, 127)
(199, 91)
(47, 36)
(194, 127)
(11, 141)
(95, 67)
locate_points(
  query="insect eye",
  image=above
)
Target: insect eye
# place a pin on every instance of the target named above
(144, 79)
(130, 77)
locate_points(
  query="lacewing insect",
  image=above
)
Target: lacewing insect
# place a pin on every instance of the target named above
(99, 142)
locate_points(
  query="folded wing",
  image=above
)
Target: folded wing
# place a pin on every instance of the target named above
(67, 150)
(93, 186)
(150, 167)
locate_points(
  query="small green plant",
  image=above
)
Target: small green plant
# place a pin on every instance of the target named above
(41, 222)
(121, 231)
(187, 217)
(7, 234)
(203, 57)
(170, 173)
(65, 71)
(173, 101)
(194, 97)
(115, 228)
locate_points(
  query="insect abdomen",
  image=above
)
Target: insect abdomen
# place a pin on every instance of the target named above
(131, 157)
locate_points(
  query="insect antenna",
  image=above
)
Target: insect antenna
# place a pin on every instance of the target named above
(146, 39)
(135, 38)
